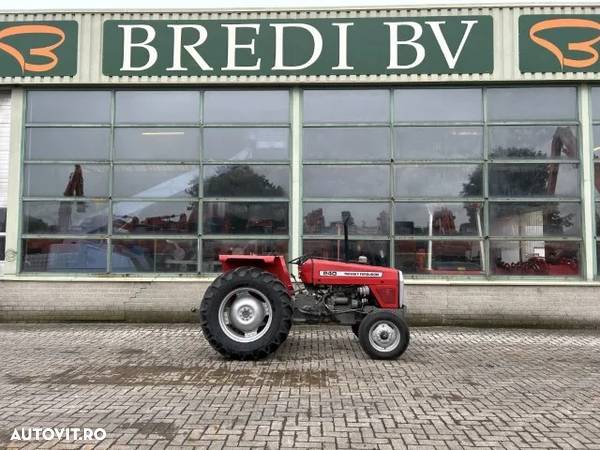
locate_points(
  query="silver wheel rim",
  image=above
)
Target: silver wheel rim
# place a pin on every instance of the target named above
(245, 315)
(384, 336)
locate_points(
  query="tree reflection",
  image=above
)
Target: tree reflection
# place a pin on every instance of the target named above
(241, 181)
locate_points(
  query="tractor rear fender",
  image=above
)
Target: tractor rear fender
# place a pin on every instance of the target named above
(273, 264)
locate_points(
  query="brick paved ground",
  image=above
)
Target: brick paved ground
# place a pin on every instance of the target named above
(161, 385)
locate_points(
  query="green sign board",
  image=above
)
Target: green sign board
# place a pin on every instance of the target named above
(30, 49)
(559, 43)
(351, 46)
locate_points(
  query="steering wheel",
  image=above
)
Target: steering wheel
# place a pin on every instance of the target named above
(299, 260)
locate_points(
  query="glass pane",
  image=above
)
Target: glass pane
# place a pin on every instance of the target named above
(596, 141)
(65, 180)
(439, 181)
(64, 255)
(211, 249)
(438, 143)
(346, 106)
(2, 220)
(431, 105)
(535, 219)
(377, 252)
(543, 180)
(364, 218)
(534, 142)
(71, 144)
(343, 144)
(439, 257)
(2, 248)
(159, 144)
(158, 107)
(438, 219)
(346, 181)
(149, 255)
(532, 103)
(155, 217)
(246, 181)
(534, 258)
(246, 144)
(160, 181)
(65, 217)
(68, 106)
(245, 218)
(596, 103)
(251, 106)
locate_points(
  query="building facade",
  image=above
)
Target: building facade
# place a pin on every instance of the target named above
(459, 143)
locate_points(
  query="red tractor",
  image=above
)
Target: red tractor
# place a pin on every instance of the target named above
(247, 312)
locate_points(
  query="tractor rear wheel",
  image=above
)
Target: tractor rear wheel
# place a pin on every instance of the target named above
(246, 313)
(383, 334)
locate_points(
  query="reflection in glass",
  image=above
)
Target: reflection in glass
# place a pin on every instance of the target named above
(534, 258)
(160, 181)
(245, 218)
(72, 107)
(596, 144)
(532, 103)
(246, 181)
(65, 217)
(524, 180)
(150, 255)
(248, 106)
(78, 144)
(596, 103)
(438, 180)
(64, 255)
(439, 257)
(53, 180)
(438, 143)
(346, 106)
(532, 142)
(346, 181)
(2, 248)
(158, 107)
(211, 249)
(2, 219)
(344, 144)
(377, 252)
(535, 219)
(438, 219)
(431, 105)
(246, 144)
(157, 144)
(364, 218)
(155, 217)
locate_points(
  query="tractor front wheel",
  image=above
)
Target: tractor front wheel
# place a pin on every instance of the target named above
(383, 334)
(246, 313)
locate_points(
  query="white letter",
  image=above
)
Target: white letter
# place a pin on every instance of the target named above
(232, 46)
(343, 47)
(440, 38)
(128, 45)
(48, 434)
(75, 433)
(191, 49)
(394, 43)
(87, 434)
(59, 433)
(100, 434)
(15, 436)
(317, 45)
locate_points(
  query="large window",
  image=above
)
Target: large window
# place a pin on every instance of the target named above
(596, 157)
(444, 181)
(153, 181)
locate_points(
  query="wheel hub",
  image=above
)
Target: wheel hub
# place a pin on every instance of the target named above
(246, 313)
(384, 336)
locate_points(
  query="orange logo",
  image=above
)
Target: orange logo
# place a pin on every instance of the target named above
(586, 47)
(47, 51)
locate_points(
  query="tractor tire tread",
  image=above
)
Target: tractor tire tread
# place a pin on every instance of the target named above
(257, 275)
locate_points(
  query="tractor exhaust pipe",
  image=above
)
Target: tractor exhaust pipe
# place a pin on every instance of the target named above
(346, 250)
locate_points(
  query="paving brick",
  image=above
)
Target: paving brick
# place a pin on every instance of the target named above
(162, 386)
